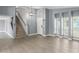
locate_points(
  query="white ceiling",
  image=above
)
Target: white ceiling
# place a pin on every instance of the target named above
(54, 7)
(50, 7)
(58, 7)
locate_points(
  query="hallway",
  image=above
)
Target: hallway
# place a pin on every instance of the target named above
(37, 43)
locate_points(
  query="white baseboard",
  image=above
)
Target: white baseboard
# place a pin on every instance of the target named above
(32, 34)
(36, 34)
(50, 35)
(10, 35)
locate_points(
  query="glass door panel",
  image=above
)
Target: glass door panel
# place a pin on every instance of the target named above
(65, 24)
(75, 24)
(54, 15)
(57, 18)
(58, 25)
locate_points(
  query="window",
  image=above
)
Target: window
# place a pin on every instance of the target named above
(57, 23)
(75, 23)
(65, 23)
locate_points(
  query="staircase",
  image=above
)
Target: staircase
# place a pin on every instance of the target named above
(19, 30)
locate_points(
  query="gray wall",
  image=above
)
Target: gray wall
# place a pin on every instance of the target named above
(7, 10)
(49, 22)
(46, 21)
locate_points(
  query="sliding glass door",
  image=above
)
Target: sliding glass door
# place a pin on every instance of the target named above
(65, 23)
(57, 23)
(75, 23)
(61, 24)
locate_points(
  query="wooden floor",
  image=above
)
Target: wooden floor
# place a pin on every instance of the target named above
(37, 44)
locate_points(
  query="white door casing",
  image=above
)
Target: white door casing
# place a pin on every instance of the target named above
(40, 25)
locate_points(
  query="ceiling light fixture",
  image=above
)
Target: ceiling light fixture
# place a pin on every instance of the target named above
(31, 13)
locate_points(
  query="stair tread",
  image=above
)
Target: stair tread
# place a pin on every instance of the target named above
(19, 32)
